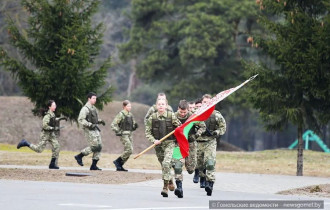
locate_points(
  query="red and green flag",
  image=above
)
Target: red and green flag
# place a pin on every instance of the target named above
(202, 114)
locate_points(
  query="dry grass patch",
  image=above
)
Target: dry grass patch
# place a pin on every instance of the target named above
(264, 162)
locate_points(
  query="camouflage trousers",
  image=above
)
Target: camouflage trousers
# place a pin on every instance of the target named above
(191, 160)
(206, 158)
(94, 141)
(164, 153)
(177, 164)
(127, 141)
(47, 137)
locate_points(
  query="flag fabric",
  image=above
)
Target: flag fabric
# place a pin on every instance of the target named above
(202, 114)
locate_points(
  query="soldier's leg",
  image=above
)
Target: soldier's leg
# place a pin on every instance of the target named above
(167, 147)
(201, 163)
(55, 146)
(178, 164)
(96, 144)
(128, 148)
(96, 148)
(178, 177)
(191, 160)
(199, 158)
(159, 153)
(210, 157)
(42, 143)
(86, 151)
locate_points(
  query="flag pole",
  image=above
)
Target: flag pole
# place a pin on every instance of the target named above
(193, 117)
(162, 139)
(153, 145)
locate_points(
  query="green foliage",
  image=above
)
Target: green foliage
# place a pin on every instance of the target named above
(190, 44)
(59, 48)
(296, 88)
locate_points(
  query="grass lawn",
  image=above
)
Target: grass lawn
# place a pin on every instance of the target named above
(262, 162)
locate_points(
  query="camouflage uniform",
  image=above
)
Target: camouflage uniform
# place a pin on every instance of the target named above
(88, 117)
(153, 109)
(123, 125)
(48, 135)
(207, 145)
(190, 161)
(157, 127)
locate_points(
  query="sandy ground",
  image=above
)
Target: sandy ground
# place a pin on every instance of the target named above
(315, 190)
(96, 177)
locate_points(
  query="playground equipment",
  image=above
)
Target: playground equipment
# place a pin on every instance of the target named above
(311, 136)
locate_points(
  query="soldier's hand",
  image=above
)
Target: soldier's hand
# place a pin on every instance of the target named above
(102, 122)
(92, 126)
(56, 128)
(157, 142)
(195, 136)
(118, 134)
(135, 126)
(215, 133)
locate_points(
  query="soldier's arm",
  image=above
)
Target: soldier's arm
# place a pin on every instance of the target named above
(82, 117)
(148, 131)
(201, 128)
(135, 125)
(149, 113)
(221, 124)
(175, 121)
(45, 123)
(115, 123)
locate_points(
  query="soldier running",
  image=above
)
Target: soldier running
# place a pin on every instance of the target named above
(123, 125)
(47, 135)
(88, 118)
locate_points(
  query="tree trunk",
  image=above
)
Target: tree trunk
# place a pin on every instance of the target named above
(132, 78)
(300, 148)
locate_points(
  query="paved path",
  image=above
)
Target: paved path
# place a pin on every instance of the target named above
(20, 194)
(232, 182)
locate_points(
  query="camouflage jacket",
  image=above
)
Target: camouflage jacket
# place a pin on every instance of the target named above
(199, 127)
(220, 128)
(47, 125)
(148, 131)
(84, 112)
(153, 109)
(115, 125)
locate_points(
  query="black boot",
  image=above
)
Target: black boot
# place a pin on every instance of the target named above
(202, 182)
(122, 163)
(178, 191)
(79, 159)
(94, 167)
(23, 143)
(209, 188)
(52, 164)
(119, 164)
(196, 176)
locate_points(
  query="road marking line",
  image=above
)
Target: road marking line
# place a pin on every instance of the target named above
(84, 205)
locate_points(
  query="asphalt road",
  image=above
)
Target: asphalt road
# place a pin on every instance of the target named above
(58, 195)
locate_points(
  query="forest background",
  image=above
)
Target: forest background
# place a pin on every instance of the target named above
(141, 83)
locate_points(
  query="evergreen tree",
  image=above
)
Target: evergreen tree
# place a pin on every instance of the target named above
(295, 88)
(193, 45)
(59, 48)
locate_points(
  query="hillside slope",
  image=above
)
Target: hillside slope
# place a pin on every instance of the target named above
(18, 122)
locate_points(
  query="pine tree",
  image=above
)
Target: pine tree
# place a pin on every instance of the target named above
(192, 45)
(295, 87)
(60, 47)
